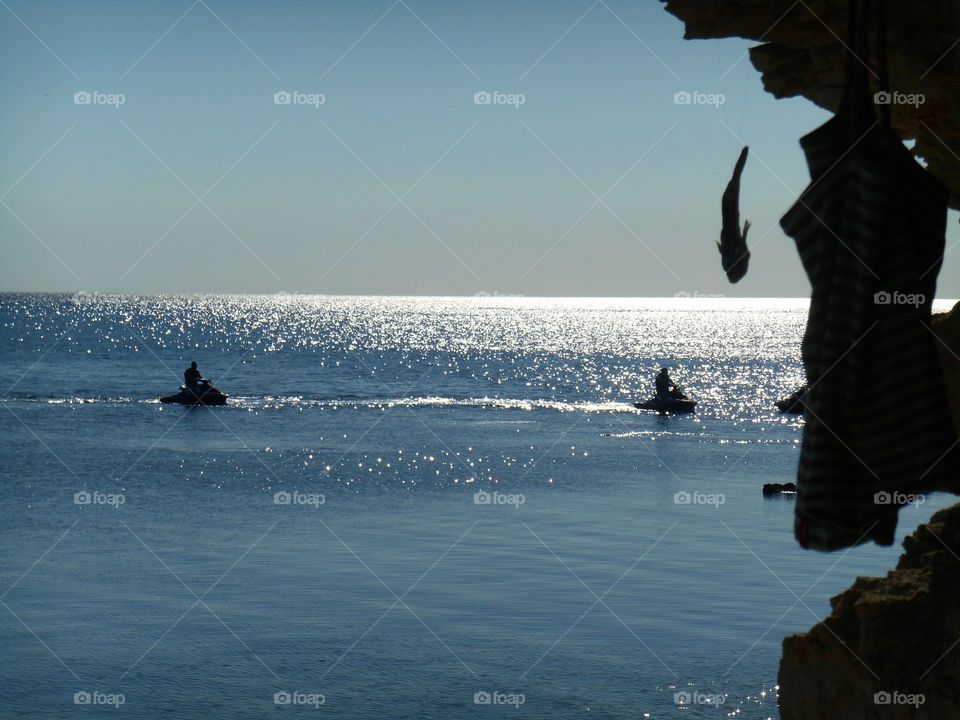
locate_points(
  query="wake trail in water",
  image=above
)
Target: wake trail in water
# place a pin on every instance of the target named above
(278, 402)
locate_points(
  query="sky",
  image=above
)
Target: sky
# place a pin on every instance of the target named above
(413, 147)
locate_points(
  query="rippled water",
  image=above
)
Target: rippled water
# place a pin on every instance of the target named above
(583, 585)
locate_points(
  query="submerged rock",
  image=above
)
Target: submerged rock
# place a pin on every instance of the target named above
(891, 647)
(780, 489)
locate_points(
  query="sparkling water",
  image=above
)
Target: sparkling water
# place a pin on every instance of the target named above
(409, 508)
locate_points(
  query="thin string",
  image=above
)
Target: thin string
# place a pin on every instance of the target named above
(882, 61)
(857, 108)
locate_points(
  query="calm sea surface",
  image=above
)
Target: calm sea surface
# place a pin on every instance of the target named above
(410, 508)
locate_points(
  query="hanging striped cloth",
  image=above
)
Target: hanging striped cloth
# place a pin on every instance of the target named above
(870, 233)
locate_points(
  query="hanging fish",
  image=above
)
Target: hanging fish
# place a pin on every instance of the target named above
(734, 254)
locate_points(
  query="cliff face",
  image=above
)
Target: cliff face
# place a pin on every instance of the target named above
(891, 648)
(801, 55)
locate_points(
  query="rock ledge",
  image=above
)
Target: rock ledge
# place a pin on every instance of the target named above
(895, 638)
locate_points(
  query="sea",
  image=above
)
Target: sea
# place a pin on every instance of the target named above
(410, 507)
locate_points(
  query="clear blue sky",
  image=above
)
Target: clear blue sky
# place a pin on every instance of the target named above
(314, 198)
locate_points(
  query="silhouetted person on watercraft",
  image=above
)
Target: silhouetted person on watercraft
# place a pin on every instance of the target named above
(196, 390)
(192, 377)
(666, 388)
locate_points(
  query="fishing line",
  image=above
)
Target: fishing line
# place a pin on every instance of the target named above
(733, 145)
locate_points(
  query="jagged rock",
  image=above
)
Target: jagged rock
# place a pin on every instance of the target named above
(770, 489)
(802, 55)
(898, 635)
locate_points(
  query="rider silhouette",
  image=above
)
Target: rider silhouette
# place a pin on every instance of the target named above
(192, 376)
(667, 388)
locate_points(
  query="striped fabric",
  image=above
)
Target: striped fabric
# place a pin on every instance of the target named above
(869, 228)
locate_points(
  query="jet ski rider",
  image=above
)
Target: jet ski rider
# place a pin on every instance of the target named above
(193, 378)
(666, 388)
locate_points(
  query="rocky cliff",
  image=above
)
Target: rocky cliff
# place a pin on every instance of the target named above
(801, 55)
(891, 648)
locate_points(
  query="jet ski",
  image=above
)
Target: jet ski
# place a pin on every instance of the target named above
(793, 405)
(196, 395)
(665, 405)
